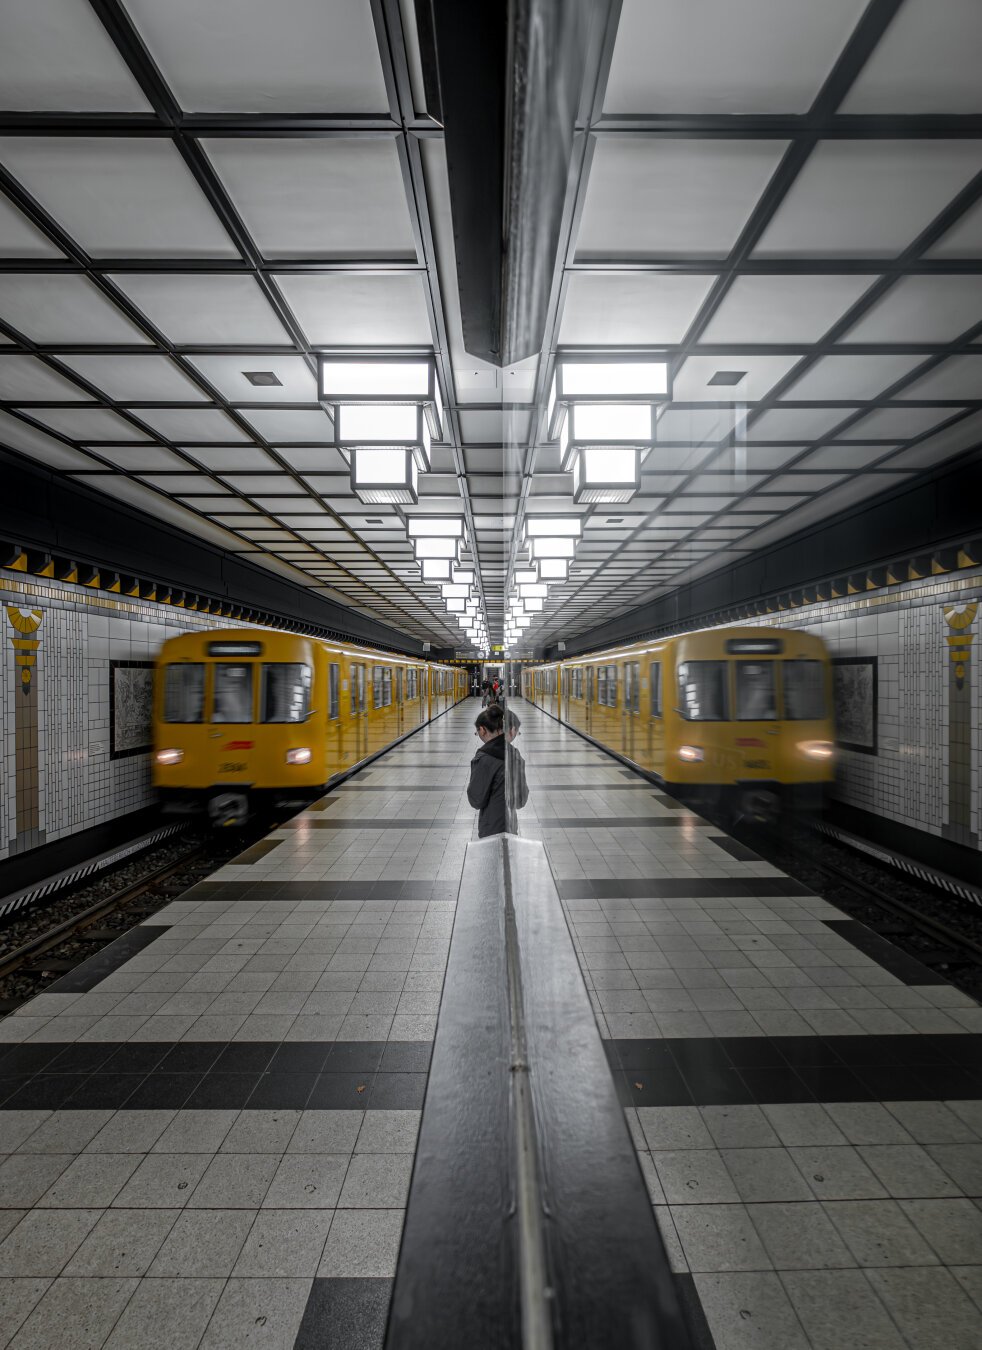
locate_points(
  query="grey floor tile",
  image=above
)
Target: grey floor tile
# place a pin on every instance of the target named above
(257, 1315)
(867, 1123)
(307, 1181)
(839, 1309)
(749, 1311)
(75, 1314)
(694, 1177)
(765, 1174)
(800, 1237)
(283, 1243)
(932, 1123)
(123, 1243)
(362, 1243)
(24, 1177)
(962, 1162)
(970, 1112)
(44, 1240)
(203, 1243)
(837, 1173)
(970, 1279)
(131, 1132)
(162, 1181)
(803, 1123)
(376, 1181)
(234, 1181)
(719, 1237)
(195, 1132)
(65, 1132)
(16, 1126)
(739, 1127)
(169, 1313)
(667, 1127)
(907, 1171)
(388, 1132)
(878, 1233)
(17, 1298)
(952, 1227)
(930, 1308)
(92, 1181)
(326, 1132)
(261, 1132)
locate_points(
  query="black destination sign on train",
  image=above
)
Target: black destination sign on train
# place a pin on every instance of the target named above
(235, 649)
(754, 646)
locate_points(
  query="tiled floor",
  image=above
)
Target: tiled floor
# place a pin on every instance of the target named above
(211, 1145)
(808, 1121)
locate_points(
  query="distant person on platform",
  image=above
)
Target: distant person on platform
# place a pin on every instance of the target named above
(486, 790)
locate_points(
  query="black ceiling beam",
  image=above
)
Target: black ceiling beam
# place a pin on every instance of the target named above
(791, 126)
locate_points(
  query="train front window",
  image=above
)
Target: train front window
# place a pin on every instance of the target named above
(232, 697)
(804, 691)
(702, 691)
(756, 697)
(285, 692)
(184, 693)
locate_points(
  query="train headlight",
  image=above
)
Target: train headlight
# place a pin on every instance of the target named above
(817, 749)
(691, 754)
(302, 755)
(169, 756)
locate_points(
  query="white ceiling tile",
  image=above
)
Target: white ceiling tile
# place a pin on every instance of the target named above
(724, 482)
(192, 424)
(313, 458)
(140, 458)
(858, 377)
(964, 239)
(783, 308)
(18, 435)
(789, 424)
(760, 56)
(248, 56)
(677, 197)
(899, 424)
(926, 62)
(86, 423)
(922, 309)
(699, 425)
(804, 482)
(24, 377)
(963, 435)
(231, 458)
(118, 196)
(868, 198)
(630, 307)
(134, 379)
(755, 457)
(204, 308)
(760, 375)
(323, 197)
(255, 484)
(50, 308)
(19, 238)
(227, 374)
(959, 377)
(181, 483)
(290, 424)
(56, 56)
(844, 457)
(358, 309)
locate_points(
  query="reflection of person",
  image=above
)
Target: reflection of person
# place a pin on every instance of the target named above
(519, 788)
(486, 789)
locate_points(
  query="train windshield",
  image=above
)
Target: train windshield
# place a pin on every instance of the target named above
(702, 691)
(804, 691)
(756, 697)
(285, 692)
(232, 699)
(184, 693)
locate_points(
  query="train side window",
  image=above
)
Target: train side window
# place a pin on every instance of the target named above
(612, 686)
(386, 686)
(756, 696)
(410, 682)
(654, 682)
(357, 690)
(184, 692)
(333, 686)
(232, 695)
(702, 691)
(376, 686)
(804, 690)
(602, 684)
(285, 693)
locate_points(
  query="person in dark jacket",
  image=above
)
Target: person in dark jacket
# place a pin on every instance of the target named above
(486, 790)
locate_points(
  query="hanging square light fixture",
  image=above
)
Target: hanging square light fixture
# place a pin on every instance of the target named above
(546, 547)
(525, 576)
(436, 548)
(630, 425)
(435, 569)
(384, 424)
(449, 527)
(553, 569)
(594, 379)
(604, 473)
(557, 527)
(384, 475)
(534, 606)
(383, 379)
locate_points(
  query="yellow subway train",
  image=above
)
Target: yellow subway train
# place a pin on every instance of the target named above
(739, 716)
(243, 715)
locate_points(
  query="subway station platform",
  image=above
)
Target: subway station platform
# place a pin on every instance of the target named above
(209, 1131)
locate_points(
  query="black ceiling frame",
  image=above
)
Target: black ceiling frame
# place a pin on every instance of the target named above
(169, 121)
(803, 133)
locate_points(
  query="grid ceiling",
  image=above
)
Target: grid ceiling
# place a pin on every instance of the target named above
(194, 190)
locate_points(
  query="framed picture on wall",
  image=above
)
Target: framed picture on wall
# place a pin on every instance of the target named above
(854, 685)
(130, 708)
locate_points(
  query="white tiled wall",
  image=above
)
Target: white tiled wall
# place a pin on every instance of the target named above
(80, 784)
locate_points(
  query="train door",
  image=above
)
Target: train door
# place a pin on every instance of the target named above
(564, 677)
(422, 711)
(359, 709)
(655, 719)
(399, 700)
(589, 698)
(630, 707)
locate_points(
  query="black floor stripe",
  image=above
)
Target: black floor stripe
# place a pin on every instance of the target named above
(370, 823)
(213, 1075)
(595, 822)
(87, 975)
(276, 891)
(348, 1314)
(884, 953)
(747, 1070)
(679, 888)
(257, 851)
(587, 787)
